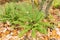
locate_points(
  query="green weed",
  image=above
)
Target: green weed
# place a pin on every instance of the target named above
(56, 3)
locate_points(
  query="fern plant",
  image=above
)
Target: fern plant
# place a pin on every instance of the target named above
(26, 16)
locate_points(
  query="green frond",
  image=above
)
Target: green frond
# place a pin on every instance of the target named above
(23, 32)
(34, 33)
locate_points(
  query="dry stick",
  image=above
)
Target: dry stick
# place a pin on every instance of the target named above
(41, 3)
(32, 1)
(48, 6)
(44, 6)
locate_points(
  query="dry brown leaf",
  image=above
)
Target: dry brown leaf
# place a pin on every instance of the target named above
(0, 34)
(46, 38)
(54, 33)
(7, 32)
(14, 32)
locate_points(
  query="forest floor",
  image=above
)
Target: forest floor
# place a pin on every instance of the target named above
(6, 33)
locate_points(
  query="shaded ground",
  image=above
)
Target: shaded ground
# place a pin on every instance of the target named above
(6, 33)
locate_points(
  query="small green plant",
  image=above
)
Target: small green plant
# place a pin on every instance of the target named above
(28, 17)
(56, 3)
